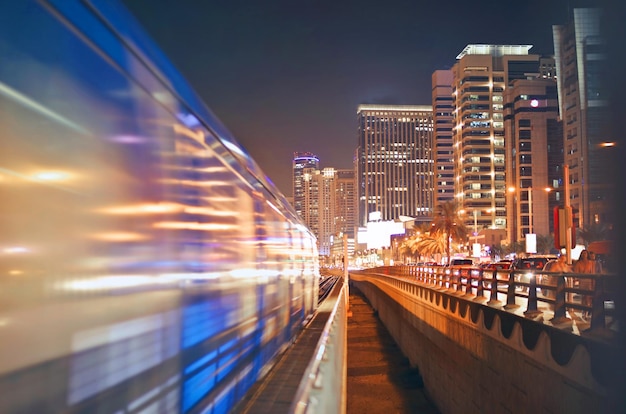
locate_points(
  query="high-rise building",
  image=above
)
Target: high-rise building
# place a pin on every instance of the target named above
(580, 60)
(395, 162)
(480, 76)
(534, 156)
(301, 161)
(443, 122)
(345, 203)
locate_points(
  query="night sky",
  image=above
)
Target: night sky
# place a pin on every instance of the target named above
(288, 75)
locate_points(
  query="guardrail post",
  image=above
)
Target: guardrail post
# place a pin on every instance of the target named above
(560, 315)
(493, 297)
(479, 286)
(598, 320)
(531, 309)
(468, 281)
(480, 289)
(510, 292)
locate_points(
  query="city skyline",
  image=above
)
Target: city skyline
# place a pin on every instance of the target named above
(288, 78)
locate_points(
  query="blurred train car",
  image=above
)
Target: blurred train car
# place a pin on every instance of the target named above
(146, 262)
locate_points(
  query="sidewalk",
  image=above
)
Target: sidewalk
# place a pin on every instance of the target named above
(380, 379)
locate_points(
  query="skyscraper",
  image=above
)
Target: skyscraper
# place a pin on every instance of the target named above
(395, 161)
(480, 77)
(326, 200)
(580, 60)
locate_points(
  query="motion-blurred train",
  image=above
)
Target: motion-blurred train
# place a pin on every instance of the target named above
(146, 262)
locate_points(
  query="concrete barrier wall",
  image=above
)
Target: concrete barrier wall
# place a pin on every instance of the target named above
(477, 359)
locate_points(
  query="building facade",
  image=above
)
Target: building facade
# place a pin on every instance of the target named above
(480, 77)
(345, 203)
(326, 205)
(310, 208)
(395, 162)
(534, 149)
(580, 59)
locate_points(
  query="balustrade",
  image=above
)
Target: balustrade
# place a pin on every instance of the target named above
(537, 295)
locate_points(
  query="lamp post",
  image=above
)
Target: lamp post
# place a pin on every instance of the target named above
(530, 210)
(475, 226)
(568, 229)
(476, 246)
(531, 238)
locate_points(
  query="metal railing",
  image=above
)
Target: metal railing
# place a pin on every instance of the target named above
(588, 298)
(323, 386)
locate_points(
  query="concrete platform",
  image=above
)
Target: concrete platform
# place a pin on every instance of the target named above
(380, 378)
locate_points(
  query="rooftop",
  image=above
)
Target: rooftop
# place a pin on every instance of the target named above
(494, 50)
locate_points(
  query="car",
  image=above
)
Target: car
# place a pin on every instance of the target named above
(536, 262)
(531, 263)
(461, 262)
(501, 265)
(502, 272)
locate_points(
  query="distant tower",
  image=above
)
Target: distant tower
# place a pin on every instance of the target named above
(443, 123)
(302, 161)
(326, 200)
(346, 204)
(326, 209)
(395, 161)
(580, 60)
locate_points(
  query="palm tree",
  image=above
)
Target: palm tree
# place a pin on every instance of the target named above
(406, 250)
(593, 232)
(448, 222)
(545, 243)
(517, 247)
(431, 244)
(497, 250)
